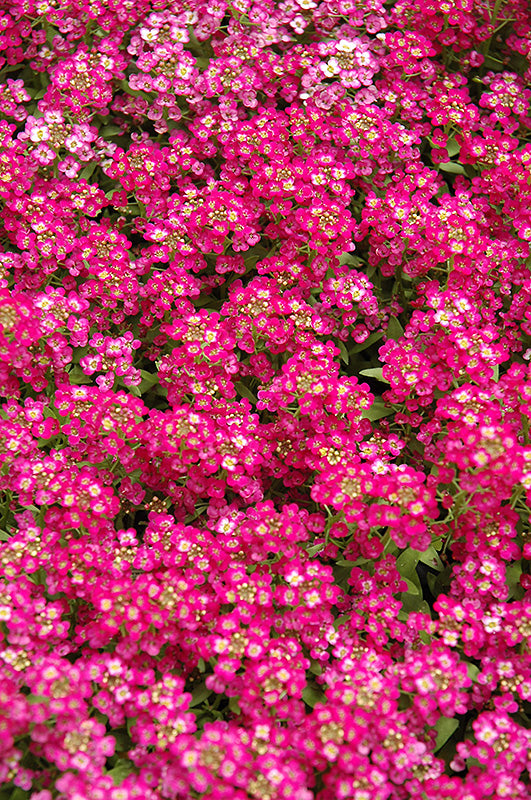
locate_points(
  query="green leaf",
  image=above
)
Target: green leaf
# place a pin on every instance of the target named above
(344, 355)
(394, 330)
(234, 705)
(207, 301)
(348, 258)
(87, 172)
(38, 577)
(124, 85)
(431, 581)
(431, 558)
(312, 696)
(341, 575)
(13, 794)
(35, 699)
(149, 379)
(134, 390)
(375, 372)
(412, 587)
(78, 377)
(412, 604)
(243, 391)
(452, 148)
(452, 167)
(445, 727)
(120, 772)
(202, 63)
(372, 339)
(123, 740)
(406, 563)
(512, 577)
(359, 561)
(442, 582)
(200, 694)
(110, 130)
(378, 410)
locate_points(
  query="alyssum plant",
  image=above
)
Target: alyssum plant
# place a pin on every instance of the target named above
(265, 469)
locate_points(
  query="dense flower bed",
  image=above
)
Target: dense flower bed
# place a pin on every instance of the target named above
(265, 331)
